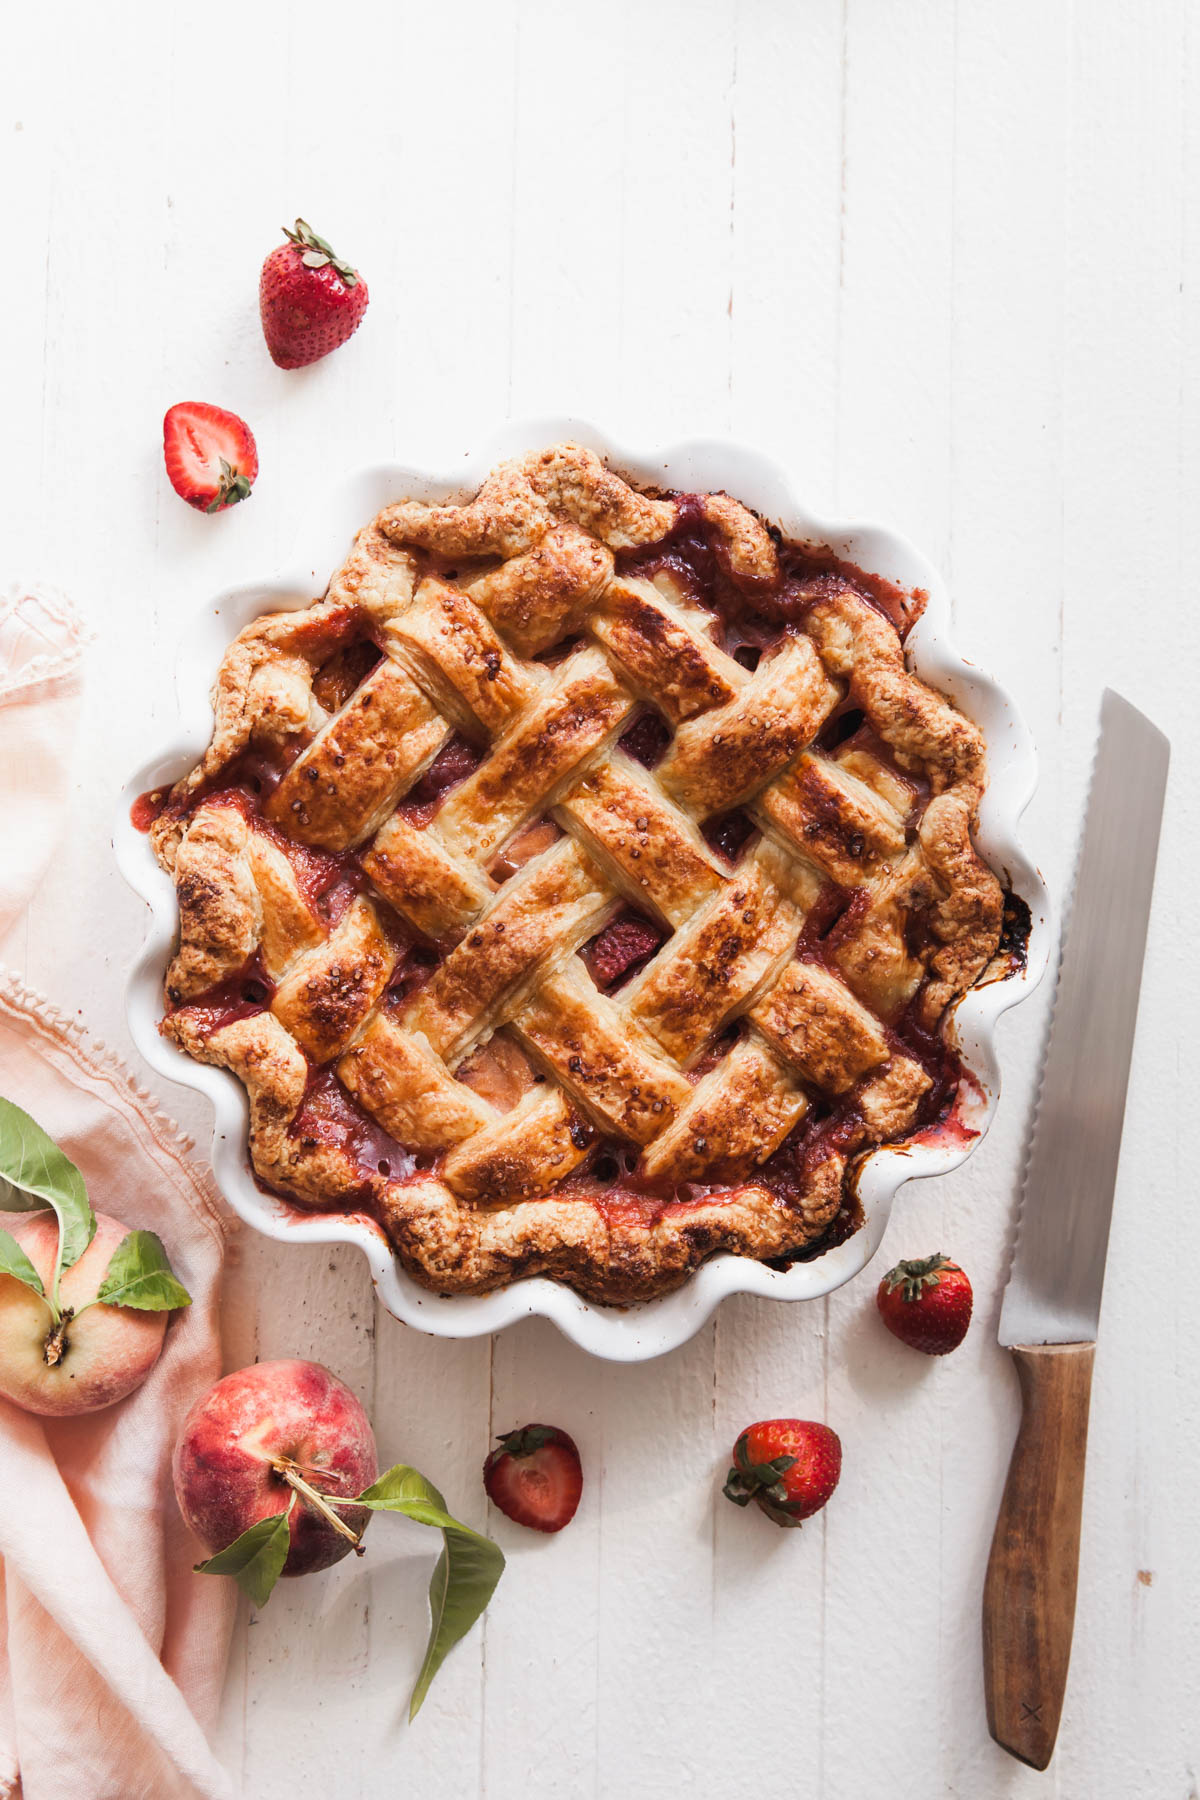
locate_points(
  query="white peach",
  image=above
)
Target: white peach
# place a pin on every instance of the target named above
(106, 1353)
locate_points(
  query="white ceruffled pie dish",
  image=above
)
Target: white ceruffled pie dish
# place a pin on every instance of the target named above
(637, 1332)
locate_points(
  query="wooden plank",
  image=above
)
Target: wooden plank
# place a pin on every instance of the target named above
(767, 1655)
(1129, 544)
(1005, 479)
(623, 271)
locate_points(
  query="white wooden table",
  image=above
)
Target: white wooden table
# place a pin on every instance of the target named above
(939, 258)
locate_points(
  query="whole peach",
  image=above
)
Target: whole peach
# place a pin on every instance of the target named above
(239, 1439)
(108, 1352)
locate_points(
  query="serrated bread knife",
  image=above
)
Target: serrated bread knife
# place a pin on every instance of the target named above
(1051, 1307)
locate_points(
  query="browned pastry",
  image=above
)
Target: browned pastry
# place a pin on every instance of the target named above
(581, 886)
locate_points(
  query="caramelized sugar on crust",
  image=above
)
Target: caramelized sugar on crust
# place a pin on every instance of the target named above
(415, 815)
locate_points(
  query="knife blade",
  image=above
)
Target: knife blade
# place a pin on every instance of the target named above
(1051, 1309)
(1053, 1293)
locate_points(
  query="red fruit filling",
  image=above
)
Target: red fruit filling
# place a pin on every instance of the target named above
(625, 943)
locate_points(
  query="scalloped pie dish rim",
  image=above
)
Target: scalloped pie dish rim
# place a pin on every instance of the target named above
(648, 1328)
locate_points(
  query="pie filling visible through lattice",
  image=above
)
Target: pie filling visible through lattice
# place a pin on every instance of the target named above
(581, 887)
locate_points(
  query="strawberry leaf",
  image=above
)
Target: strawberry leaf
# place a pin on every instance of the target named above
(736, 1490)
(917, 1275)
(256, 1559)
(525, 1440)
(466, 1574)
(34, 1174)
(233, 486)
(13, 1261)
(748, 1481)
(318, 252)
(139, 1275)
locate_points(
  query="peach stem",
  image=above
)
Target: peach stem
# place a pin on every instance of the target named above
(57, 1342)
(283, 1465)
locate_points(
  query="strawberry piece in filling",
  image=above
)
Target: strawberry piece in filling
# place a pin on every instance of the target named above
(625, 943)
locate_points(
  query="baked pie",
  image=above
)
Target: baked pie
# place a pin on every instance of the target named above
(581, 887)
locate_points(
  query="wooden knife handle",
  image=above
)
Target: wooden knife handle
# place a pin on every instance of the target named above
(1029, 1594)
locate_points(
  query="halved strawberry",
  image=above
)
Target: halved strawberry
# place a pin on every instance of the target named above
(535, 1477)
(210, 454)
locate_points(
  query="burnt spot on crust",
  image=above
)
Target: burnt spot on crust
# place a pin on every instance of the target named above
(333, 997)
(202, 907)
(1016, 928)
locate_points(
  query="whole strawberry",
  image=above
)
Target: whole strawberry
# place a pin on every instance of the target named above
(535, 1476)
(926, 1304)
(310, 300)
(788, 1467)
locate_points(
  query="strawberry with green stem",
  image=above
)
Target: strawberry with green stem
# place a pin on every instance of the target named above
(310, 300)
(927, 1304)
(787, 1467)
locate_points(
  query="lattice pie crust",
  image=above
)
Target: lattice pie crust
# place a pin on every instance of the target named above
(581, 886)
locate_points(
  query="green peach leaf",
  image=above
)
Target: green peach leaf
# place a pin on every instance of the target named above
(139, 1275)
(35, 1173)
(466, 1573)
(13, 1261)
(256, 1559)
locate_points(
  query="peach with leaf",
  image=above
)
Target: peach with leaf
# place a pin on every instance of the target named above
(84, 1301)
(276, 1473)
(278, 1437)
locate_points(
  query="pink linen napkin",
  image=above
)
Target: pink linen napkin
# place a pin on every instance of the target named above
(111, 1650)
(40, 644)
